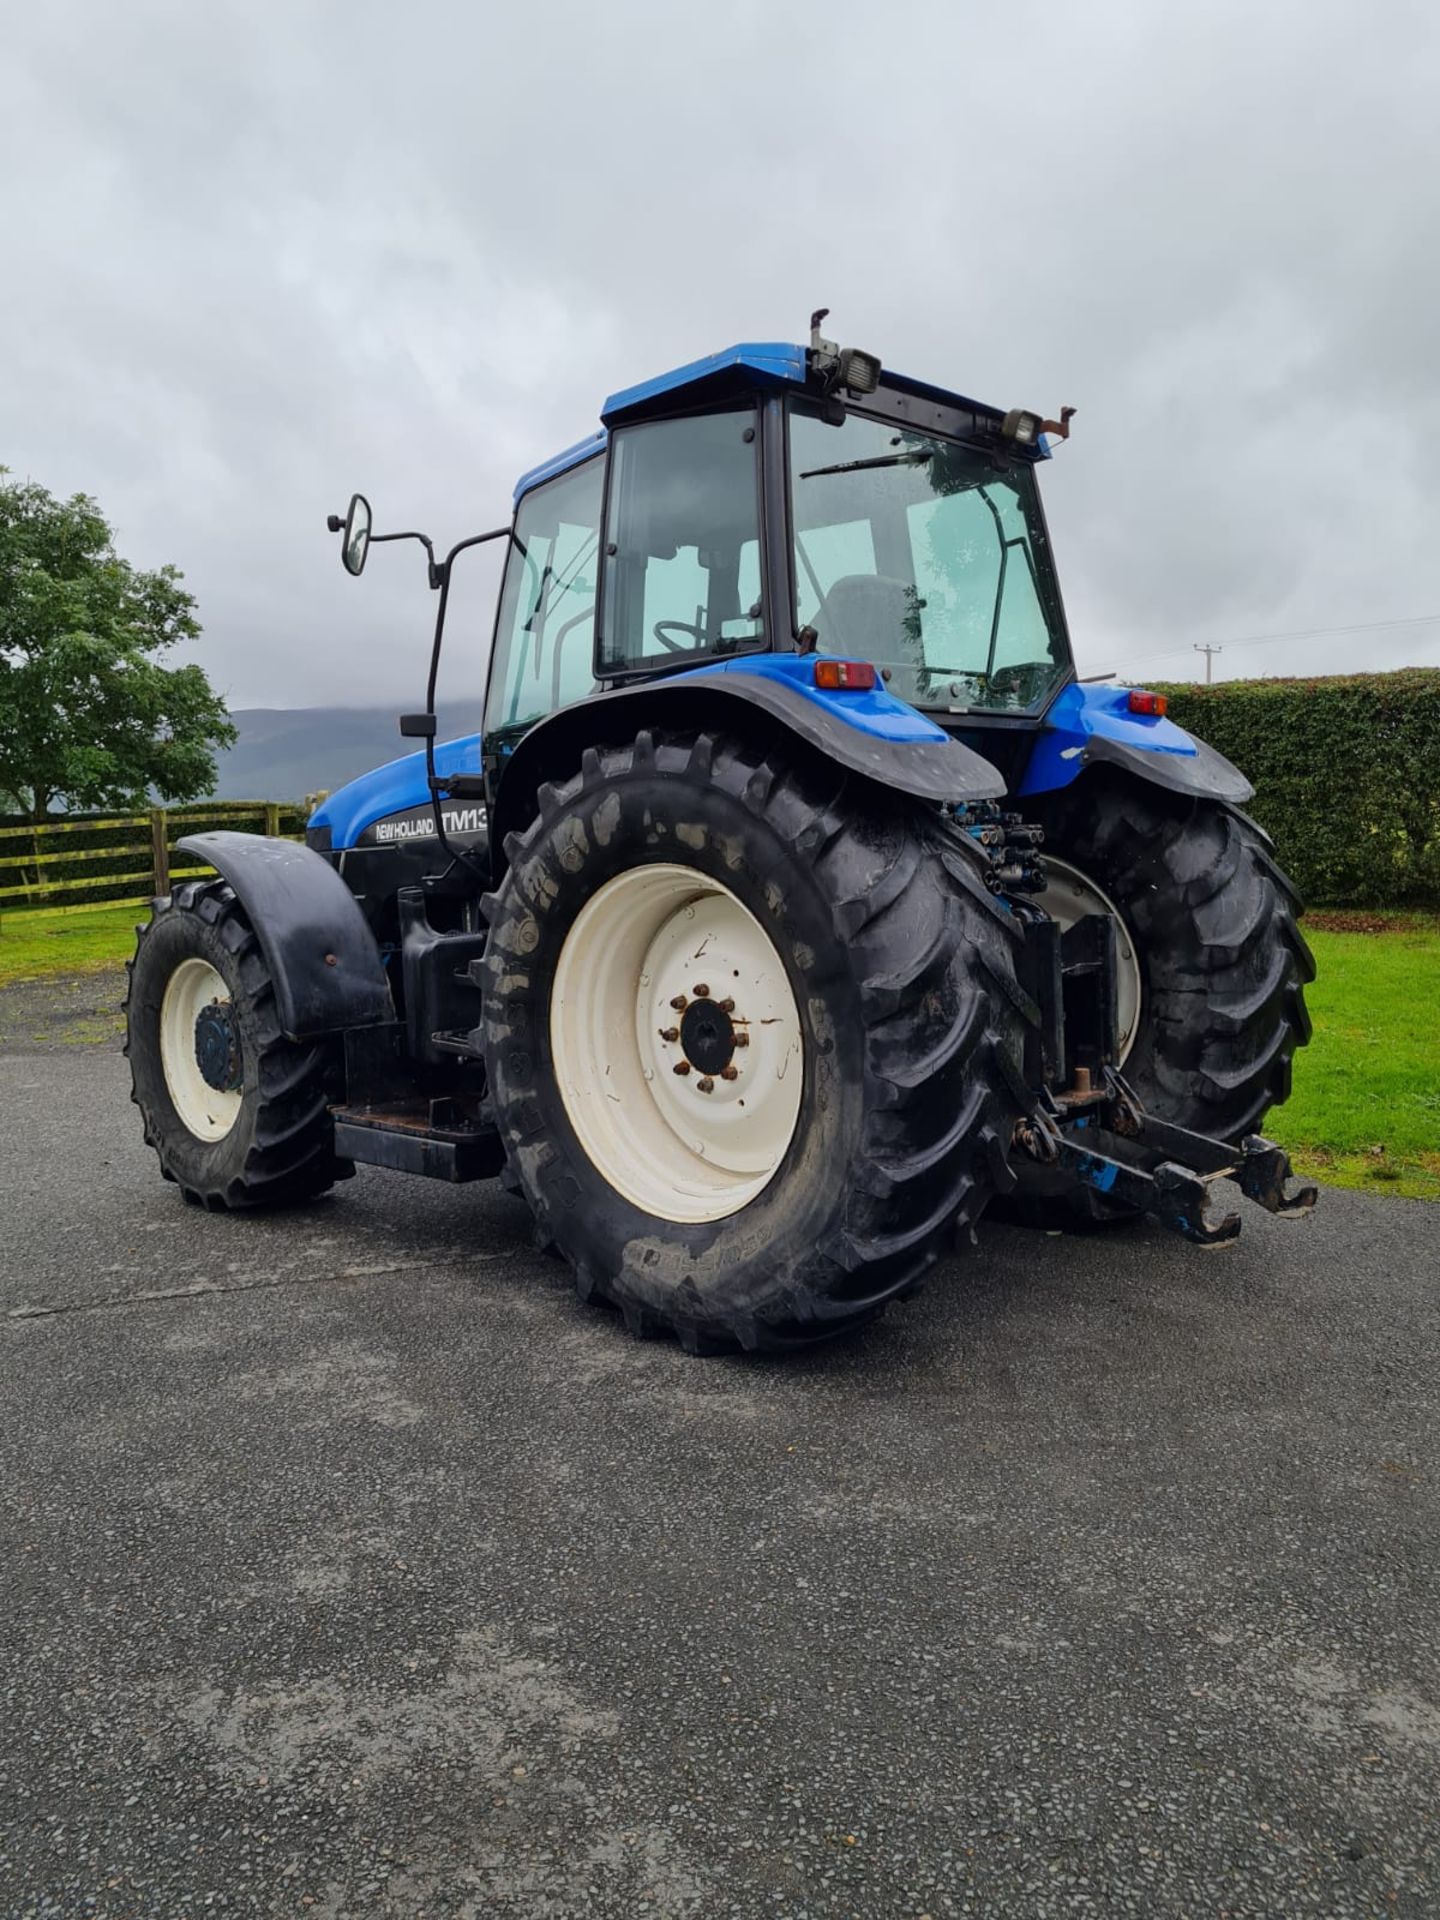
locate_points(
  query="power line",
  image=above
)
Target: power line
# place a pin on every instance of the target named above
(1304, 633)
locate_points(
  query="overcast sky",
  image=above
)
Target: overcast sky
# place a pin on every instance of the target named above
(257, 256)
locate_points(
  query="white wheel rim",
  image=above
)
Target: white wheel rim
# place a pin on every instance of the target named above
(1068, 896)
(208, 1112)
(702, 1143)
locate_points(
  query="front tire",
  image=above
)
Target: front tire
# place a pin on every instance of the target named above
(237, 1113)
(862, 954)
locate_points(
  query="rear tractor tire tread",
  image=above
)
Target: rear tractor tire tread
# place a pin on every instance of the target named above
(1224, 964)
(911, 942)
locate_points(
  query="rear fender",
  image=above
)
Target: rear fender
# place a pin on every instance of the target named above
(1090, 726)
(323, 959)
(872, 733)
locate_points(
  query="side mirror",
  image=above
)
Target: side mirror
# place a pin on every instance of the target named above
(355, 542)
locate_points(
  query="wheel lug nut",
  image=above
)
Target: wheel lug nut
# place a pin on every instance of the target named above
(742, 1039)
(669, 1033)
(682, 1066)
(702, 992)
(726, 1006)
(707, 1085)
(679, 1003)
(729, 1073)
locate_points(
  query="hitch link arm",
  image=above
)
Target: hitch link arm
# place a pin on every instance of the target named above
(1115, 1147)
(1261, 1170)
(1176, 1196)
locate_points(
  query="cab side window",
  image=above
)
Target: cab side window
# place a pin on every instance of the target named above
(682, 576)
(545, 635)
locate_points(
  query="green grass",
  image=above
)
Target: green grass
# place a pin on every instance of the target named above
(1365, 1111)
(33, 946)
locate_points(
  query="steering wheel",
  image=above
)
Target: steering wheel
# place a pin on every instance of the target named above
(696, 633)
(1012, 679)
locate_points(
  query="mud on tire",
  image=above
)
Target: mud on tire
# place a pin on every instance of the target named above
(280, 1148)
(902, 971)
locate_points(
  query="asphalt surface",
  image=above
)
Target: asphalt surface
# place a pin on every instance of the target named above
(352, 1568)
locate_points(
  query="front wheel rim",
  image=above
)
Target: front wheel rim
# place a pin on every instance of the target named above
(676, 1043)
(1068, 896)
(195, 992)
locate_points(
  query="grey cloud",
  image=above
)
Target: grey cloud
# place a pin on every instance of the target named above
(258, 256)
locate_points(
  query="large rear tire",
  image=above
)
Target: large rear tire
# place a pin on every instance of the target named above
(236, 1112)
(1213, 923)
(676, 894)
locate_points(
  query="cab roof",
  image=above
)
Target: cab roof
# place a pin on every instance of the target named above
(752, 365)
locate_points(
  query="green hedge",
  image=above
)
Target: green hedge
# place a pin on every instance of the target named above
(1346, 773)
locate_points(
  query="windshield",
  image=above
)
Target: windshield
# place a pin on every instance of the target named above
(928, 558)
(545, 629)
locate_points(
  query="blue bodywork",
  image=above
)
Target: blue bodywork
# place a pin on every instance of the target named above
(401, 784)
(876, 712)
(561, 462)
(1094, 1170)
(393, 788)
(764, 363)
(760, 364)
(768, 363)
(1078, 714)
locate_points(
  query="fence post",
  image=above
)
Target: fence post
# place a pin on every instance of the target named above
(272, 819)
(159, 853)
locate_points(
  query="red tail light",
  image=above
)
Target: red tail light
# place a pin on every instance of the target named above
(1151, 703)
(844, 676)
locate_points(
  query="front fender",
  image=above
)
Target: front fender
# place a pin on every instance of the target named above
(323, 960)
(872, 734)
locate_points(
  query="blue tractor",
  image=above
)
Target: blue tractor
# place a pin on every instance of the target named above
(794, 904)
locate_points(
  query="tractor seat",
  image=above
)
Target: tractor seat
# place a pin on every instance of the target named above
(872, 617)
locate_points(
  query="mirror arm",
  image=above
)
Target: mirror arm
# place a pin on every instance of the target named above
(378, 539)
(442, 568)
(440, 577)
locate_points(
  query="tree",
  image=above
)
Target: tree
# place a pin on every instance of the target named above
(88, 715)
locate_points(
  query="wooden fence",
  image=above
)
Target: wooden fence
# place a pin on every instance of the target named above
(84, 861)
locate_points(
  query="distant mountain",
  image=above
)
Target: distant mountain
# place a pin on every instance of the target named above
(283, 753)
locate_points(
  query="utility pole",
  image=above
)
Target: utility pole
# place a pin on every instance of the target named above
(1208, 653)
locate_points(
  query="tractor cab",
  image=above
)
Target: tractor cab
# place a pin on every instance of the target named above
(783, 500)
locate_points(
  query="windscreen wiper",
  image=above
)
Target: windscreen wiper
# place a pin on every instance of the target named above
(562, 585)
(918, 457)
(529, 626)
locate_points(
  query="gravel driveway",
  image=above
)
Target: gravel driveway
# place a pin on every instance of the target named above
(351, 1568)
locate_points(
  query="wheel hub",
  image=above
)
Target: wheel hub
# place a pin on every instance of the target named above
(707, 1035)
(217, 1047)
(1068, 895)
(677, 1043)
(200, 1050)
